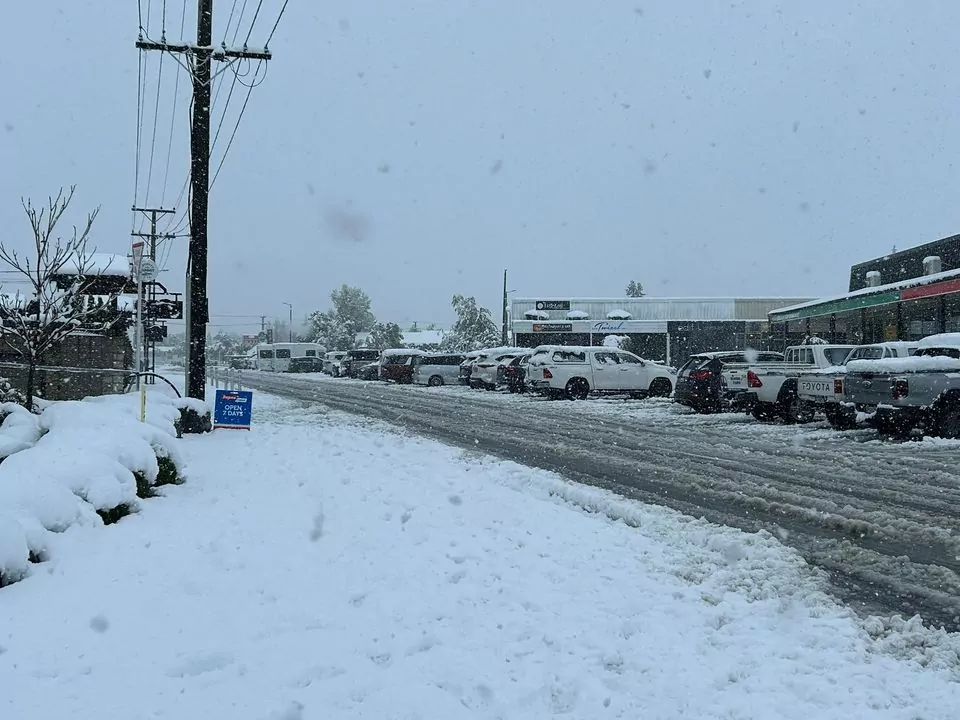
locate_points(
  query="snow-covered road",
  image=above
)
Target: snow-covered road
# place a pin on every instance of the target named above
(881, 518)
(320, 567)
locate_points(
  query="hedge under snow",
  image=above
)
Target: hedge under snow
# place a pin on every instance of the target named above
(72, 461)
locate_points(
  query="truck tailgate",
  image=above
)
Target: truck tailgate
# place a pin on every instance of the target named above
(867, 389)
(819, 389)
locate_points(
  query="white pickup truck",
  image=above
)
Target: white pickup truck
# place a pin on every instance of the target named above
(822, 390)
(772, 387)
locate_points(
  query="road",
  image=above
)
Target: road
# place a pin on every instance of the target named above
(882, 520)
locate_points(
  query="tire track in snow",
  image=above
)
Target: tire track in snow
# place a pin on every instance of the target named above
(889, 544)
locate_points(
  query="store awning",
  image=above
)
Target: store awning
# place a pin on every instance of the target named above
(944, 283)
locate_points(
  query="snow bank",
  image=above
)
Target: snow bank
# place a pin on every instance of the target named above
(19, 430)
(75, 460)
(905, 365)
(342, 571)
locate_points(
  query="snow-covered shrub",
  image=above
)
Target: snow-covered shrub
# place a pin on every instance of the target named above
(19, 429)
(195, 417)
(91, 463)
(10, 394)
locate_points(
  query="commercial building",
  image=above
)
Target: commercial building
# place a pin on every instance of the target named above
(663, 329)
(905, 295)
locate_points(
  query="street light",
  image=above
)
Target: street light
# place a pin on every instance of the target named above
(290, 325)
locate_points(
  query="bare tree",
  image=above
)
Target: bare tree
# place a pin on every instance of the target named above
(57, 272)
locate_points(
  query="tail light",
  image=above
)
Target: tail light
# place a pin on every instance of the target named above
(900, 388)
(753, 381)
(837, 386)
(701, 375)
(547, 375)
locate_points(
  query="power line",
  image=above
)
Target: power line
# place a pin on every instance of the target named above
(270, 37)
(235, 127)
(255, 16)
(173, 115)
(153, 141)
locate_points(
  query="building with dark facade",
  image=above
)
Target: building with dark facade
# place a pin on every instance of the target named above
(662, 329)
(906, 295)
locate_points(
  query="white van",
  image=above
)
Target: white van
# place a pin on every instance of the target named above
(276, 357)
(436, 369)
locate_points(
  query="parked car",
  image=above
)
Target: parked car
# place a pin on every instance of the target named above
(822, 390)
(576, 372)
(466, 367)
(331, 362)
(922, 391)
(772, 387)
(705, 384)
(436, 369)
(397, 365)
(355, 359)
(470, 373)
(305, 365)
(370, 371)
(515, 373)
(489, 371)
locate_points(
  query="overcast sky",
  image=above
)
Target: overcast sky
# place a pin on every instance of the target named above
(418, 148)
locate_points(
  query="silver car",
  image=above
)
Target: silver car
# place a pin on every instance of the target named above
(437, 369)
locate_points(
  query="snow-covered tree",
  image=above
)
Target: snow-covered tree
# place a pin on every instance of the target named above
(615, 341)
(634, 289)
(39, 319)
(474, 328)
(386, 336)
(337, 328)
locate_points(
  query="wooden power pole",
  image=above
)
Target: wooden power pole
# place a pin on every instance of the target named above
(201, 56)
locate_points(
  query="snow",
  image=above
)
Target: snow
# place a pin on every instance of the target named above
(578, 315)
(334, 569)
(912, 364)
(401, 352)
(618, 314)
(536, 315)
(100, 264)
(941, 340)
(19, 430)
(73, 460)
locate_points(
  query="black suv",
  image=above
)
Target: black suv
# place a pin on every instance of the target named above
(700, 381)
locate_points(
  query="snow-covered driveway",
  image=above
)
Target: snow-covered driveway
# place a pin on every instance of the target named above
(318, 568)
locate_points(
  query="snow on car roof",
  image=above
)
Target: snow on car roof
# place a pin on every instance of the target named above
(906, 365)
(950, 340)
(402, 351)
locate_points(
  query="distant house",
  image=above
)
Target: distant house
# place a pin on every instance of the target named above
(94, 359)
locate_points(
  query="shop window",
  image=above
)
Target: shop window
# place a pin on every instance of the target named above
(919, 318)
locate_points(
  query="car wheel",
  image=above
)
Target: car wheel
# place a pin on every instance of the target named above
(762, 413)
(577, 389)
(947, 420)
(660, 387)
(435, 381)
(841, 419)
(795, 411)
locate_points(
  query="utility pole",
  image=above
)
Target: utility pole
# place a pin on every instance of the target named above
(202, 54)
(150, 346)
(290, 323)
(506, 317)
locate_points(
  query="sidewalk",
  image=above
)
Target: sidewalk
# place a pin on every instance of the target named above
(322, 567)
